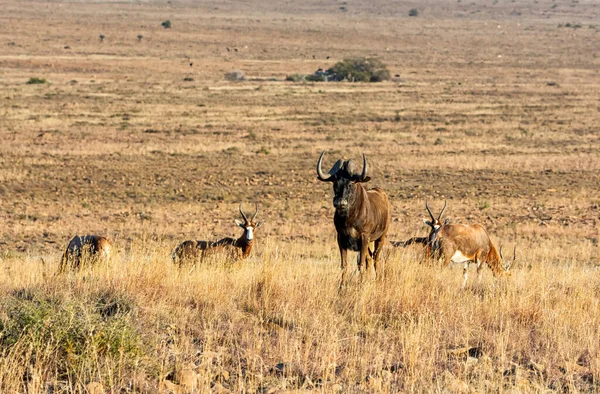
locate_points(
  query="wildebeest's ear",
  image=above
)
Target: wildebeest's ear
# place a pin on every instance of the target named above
(427, 222)
(239, 223)
(367, 179)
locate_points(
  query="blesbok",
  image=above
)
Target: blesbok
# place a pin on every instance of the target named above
(237, 248)
(82, 248)
(361, 216)
(466, 244)
(435, 224)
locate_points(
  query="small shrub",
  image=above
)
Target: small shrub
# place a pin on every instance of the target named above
(360, 69)
(316, 78)
(235, 76)
(101, 36)
(36, 81)
(295, 78)
(139, 37)
(166, 24)
(413, 12)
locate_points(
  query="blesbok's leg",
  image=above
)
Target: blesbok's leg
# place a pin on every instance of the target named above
(479, 266)
(465, 273)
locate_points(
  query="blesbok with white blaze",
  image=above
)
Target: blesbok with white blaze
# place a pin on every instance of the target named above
(362, 216)
(435, 224)
(466, 244)
(235, 248)
(85, 248)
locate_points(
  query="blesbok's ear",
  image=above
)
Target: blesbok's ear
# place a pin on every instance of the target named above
(367, 179)
(427, 222)
(258, 224)
(240, 224)
(446, 221)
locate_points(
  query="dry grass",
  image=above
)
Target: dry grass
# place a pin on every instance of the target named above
(494, 110)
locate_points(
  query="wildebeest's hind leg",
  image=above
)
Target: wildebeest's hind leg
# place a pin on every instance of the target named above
(364, 256)
(376, 254)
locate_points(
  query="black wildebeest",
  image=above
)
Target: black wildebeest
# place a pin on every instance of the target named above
(82, 247)
(237, 248)
(361, 216)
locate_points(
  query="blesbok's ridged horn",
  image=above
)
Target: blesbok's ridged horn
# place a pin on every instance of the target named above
(255, 212)
(320, 174)
(502, 257)
(242, 213)
(429, 210)
(513, 260)
(443, 209)
(363, 176)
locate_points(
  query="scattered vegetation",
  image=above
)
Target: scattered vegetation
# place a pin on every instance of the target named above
(360, 69)
(413, 12)
(295, 78)
(36, 81)
(101, 36)
(139, 37)
(235, 76)
(166, 24)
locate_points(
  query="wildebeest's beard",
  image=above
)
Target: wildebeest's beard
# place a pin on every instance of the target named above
(344, 194)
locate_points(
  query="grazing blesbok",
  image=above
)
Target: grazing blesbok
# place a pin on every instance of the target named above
(466, 244)
(84, 248)
(361, 216)
(237, 248)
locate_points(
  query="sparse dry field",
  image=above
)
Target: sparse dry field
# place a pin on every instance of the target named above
(496, 110)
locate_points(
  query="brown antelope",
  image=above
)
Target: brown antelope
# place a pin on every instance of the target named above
(361, 216)
(434, 223)
(466, 244)
(238, 249)
(85, 247)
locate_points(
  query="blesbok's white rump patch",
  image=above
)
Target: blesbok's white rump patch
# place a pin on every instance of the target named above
(458, 257)
(249, 230)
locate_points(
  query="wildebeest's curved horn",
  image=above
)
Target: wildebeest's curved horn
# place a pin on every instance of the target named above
(443, 209)
(320, 175)
(363, 176)
(242, 213)
(429, 210)
(255, 212)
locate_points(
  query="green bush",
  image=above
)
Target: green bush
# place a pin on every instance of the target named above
(36, 81)
(71, 334)
(166, 24)
(413, 12)
(360, 69)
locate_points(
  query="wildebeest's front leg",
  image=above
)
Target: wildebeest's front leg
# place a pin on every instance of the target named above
(344, 263)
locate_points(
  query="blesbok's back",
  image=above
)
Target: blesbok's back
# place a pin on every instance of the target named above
(85, 247)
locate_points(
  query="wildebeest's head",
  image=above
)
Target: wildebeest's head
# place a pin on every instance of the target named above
(343, 176)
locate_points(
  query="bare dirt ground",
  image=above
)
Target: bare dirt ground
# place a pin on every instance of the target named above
(494, 108)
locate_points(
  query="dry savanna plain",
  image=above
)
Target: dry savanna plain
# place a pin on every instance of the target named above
(493, 107)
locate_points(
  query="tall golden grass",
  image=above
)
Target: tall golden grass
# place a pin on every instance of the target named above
(278, 322)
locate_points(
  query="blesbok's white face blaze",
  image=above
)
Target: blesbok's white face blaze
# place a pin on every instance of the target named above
(249, 234)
